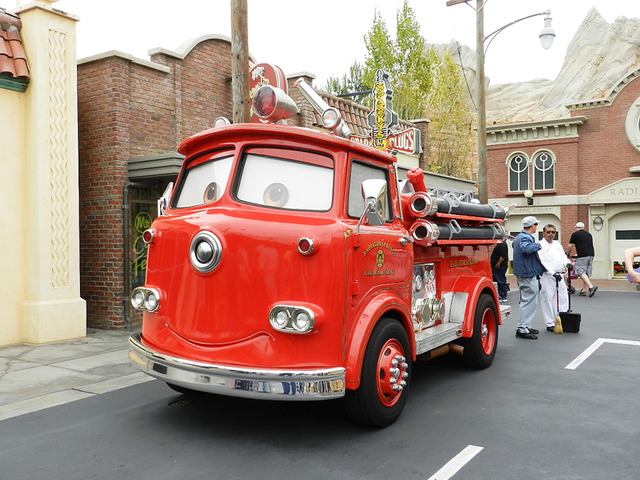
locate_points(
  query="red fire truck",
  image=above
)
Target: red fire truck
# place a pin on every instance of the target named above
(293, 264)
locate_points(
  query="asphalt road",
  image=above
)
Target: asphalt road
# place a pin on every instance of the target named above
(526, 417)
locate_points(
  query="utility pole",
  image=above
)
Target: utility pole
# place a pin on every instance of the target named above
(239, 61)
(482, 105)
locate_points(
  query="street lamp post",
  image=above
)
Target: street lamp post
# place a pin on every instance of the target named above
(546, 37)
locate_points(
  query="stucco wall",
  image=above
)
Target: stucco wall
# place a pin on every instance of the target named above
(41, 283)
(12, 219)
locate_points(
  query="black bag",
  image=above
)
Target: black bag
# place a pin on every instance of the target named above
(570, 321)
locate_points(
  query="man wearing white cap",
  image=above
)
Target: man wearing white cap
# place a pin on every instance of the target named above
(527, 268)
(582, 241)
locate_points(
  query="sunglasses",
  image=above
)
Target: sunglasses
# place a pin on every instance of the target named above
(550, 231)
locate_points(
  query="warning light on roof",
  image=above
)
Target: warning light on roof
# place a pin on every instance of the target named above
(272, 104)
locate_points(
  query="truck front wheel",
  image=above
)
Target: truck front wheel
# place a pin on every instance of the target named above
(480, 349)
(385, 378)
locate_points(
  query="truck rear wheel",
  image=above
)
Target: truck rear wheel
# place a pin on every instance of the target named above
(480, 349)
(385, 379)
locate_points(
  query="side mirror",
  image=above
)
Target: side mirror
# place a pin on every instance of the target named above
(163, 202)
(374, 192)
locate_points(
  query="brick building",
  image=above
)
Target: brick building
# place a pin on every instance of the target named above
(133, 114)
(580, 168)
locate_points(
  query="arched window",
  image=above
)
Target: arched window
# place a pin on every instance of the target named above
(632, 124)
(518, 165)
(543, 170)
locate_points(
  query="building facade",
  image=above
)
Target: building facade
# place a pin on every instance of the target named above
(581, 168)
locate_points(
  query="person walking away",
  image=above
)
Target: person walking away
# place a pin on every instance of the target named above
(582, 241)
(554, 296)
(629, 255)
(527, 268)
(499, 264)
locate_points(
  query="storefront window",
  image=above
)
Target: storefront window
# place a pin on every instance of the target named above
(143, 210)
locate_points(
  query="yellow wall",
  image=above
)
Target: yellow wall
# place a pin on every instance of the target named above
(12, 217)
(39, 194)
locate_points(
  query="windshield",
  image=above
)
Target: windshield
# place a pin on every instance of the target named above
(205, 182)
(292, 180)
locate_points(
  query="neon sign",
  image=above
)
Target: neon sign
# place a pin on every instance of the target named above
(384, 122)
(141, 222)
(382, 117)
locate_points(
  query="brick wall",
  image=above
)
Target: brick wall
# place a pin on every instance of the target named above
(604, 151)
(129, 109)
(565, 151)
(103, 137)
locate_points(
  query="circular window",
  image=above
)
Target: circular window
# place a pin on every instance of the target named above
(632, 125)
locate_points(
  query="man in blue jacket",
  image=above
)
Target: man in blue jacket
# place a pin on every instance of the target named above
(527, 268)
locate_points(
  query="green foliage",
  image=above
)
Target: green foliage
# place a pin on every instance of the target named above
(351, 83)
(451, 135)
(425, 83)
(404, 59)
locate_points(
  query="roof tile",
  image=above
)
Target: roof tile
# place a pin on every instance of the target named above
(13, 59)
(354, 114)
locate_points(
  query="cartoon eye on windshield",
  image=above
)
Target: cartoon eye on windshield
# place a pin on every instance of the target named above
(211, 193)
(294, 183)
(205, 182)
(276, 195)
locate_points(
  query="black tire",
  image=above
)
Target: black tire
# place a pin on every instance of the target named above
(480, 349)
(376, 402)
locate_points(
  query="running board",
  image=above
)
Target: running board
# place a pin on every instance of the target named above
(436, 336)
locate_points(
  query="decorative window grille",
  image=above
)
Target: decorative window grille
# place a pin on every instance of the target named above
(543, 170)
(518, 165)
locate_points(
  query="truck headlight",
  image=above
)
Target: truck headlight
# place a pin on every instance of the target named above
(287, 318)
(145, 299)
(205, 252)
(137, 298)
(302, 322)
(281, 319)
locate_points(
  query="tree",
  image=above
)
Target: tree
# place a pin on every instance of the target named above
(351, 83)
(425, 83)
(404, 59)
(450, 139)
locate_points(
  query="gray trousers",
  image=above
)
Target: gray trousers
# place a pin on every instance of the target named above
(528, 302)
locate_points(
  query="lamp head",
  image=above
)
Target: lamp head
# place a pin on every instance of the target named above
(547, 34)
(528, 194)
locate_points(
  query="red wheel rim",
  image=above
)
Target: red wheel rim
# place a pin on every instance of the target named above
(488, 333)
(392, 372)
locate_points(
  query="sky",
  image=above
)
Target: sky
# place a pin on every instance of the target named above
(325, 37)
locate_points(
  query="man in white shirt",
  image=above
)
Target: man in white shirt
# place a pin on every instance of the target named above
(554, 259)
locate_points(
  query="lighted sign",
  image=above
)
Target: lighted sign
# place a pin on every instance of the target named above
(264, 74)
(383, 122)
(382, 117)
(405, 141)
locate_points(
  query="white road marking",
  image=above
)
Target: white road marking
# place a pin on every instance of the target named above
(456, 463)
(594, 346)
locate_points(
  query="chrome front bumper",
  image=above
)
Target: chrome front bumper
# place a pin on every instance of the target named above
(239, 382)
